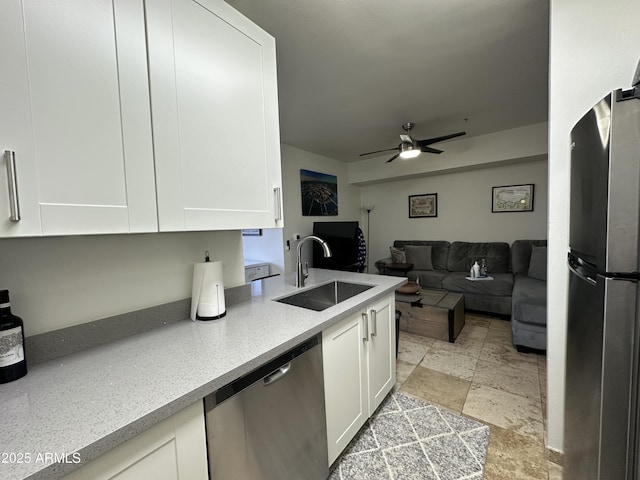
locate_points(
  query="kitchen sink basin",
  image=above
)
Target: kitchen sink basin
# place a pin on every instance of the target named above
(324, 296)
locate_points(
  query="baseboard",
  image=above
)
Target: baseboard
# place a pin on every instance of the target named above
(555, 457)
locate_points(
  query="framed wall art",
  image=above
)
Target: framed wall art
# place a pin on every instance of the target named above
(512, 198)
(425, 205)
(319, 193)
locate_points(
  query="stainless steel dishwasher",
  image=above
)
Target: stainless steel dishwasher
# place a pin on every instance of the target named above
(270, 424)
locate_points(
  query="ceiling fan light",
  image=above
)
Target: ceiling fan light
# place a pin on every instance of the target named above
(407, 150)
(410, 153)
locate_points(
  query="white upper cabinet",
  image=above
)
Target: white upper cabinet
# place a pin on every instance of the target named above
(215, 117)
(75, 111)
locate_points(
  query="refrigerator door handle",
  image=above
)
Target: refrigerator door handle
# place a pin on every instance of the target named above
(576, 267)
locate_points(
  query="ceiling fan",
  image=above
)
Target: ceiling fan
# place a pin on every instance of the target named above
(410, 147)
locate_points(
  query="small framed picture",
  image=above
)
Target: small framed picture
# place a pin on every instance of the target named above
(252, 232)
(512, 198)
(425, 205)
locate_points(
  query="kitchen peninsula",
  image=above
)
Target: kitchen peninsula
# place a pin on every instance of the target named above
(87, 403)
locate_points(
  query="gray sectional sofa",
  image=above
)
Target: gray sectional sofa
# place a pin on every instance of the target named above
(529, 296)
(512, 292)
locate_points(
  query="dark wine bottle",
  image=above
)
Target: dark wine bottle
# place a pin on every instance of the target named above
(13, 361)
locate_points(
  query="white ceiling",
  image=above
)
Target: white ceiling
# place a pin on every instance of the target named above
(351, 72)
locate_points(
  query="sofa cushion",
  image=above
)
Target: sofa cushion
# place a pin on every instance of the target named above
(429, 278)
(501, 285)
(498, 304)
(419, 255)
(521, 254)
(439, 250)
(398, 255)
(529, 300)
(462, 255)
(538, 263)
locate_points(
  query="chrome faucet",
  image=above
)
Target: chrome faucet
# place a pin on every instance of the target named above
(303, 272)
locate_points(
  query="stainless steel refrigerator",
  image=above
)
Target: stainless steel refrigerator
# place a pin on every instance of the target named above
(601, 401)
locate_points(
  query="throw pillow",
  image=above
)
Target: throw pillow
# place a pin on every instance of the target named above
(538, 263)
(397, 255)
(420, 256)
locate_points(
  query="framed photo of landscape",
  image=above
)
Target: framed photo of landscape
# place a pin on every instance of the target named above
(425, 205)
(512, 198)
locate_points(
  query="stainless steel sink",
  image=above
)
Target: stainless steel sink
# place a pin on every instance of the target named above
(324, 296)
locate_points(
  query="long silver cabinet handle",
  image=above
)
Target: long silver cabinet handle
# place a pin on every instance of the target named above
(278, 194)
(365, 334)
(374, 322)
(14, 202)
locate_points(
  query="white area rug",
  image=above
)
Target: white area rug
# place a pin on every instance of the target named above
(409, 438)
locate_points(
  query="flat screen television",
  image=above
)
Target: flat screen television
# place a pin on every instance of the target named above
(342, 238)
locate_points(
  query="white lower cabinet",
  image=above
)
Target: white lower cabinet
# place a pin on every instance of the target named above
(345, 382)
(255, 271)
(359, 370)
(174, 449)
(381, 351)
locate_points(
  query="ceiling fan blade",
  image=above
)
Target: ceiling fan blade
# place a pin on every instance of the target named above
(430, 150)
(378, 151)
(393, 158)
(429, 141)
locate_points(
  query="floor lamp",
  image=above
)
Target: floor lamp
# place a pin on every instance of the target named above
(368, 208)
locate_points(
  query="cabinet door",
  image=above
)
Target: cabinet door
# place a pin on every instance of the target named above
(75, 106)
(174, 449)
(215, 117)
(345, 382)
(381, 351)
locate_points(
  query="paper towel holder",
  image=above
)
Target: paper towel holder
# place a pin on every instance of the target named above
(207, 297)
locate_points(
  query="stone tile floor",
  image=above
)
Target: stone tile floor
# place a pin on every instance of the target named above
(483, 377)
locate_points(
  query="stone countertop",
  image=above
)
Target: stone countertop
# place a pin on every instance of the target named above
(251, 263)
(91, 401)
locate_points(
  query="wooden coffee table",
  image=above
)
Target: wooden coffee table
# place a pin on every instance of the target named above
(432, 313)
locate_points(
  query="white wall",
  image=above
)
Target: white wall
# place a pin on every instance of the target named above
(594, 49)
(62, 281)
(270, 246)
(464, 208)
(266, 248)
(294, 159)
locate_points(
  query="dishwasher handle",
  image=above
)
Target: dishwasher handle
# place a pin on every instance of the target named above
(277, 375)
(273, 370)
